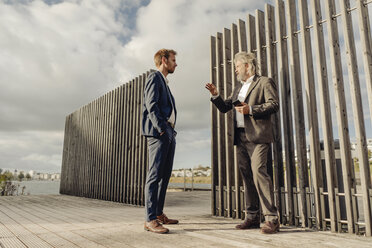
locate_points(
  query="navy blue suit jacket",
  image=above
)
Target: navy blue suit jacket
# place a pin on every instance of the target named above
(157, 105)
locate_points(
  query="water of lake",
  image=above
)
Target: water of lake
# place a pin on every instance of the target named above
(52, 187)
(39, 187)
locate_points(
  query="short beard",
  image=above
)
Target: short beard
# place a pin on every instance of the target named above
(239, 77)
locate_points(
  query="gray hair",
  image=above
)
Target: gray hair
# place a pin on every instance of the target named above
(247, 58)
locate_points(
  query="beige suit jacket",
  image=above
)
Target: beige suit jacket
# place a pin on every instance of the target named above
(262, 96)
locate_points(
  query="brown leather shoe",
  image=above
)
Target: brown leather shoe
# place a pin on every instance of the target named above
(249, 224)
(270, 227)
(155, 226)
(165, 220)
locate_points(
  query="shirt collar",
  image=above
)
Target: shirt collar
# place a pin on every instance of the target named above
(249, 80)
(165, 79)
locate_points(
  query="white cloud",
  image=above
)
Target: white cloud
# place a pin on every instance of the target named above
(56, 56)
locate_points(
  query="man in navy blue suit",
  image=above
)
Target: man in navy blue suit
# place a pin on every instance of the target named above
(159, 119)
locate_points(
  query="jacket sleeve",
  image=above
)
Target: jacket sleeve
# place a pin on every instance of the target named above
(151, 100)
(271, 104)
(223, 105)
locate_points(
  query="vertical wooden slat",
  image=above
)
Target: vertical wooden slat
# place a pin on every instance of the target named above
(137, 125)
(214, 141)
(341, 111)
(114, 144)
(125, 145)
(91, 148)
(312, 111)
(110, 148)
(76, 173)
(229, 144)
(103, 147)
(134, 159)
(120, 144)
(84, 180)
(220, 128)
(365, 37)
(251, 32)
(107, 147)
(141, 141)
(294, 60)
(286, 109)
(130, 144)
(326, 114)
(242, 37)
(99, 147)
(238, 43)
(272, 72)
(65, 155)
(260, 42)
(357, 106)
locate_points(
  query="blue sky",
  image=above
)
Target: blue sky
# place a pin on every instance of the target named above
(59, 55)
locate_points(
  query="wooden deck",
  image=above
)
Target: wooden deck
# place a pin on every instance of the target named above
(67, 221)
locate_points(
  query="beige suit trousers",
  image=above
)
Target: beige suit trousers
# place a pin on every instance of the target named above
(252, 159)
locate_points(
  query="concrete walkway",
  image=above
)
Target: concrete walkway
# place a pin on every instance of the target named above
(66, 221)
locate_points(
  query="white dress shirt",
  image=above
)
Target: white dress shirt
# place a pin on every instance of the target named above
(241, 97)
(172, 117)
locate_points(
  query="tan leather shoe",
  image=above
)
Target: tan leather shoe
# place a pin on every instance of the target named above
(155, 226)
(165, 220)
(249, 224)
(270, 227)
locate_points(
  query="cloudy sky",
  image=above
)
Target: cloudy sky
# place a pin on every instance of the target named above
(56, 56)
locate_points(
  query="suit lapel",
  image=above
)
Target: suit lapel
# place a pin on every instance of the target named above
(236, 93)
(169, 93)
(251, 87)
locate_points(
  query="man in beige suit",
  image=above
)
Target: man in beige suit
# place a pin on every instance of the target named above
(254, 100)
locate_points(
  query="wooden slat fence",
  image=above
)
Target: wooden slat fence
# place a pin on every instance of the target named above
(298, 44)
(104, 155)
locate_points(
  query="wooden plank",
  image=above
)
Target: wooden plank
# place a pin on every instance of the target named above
(120, 133)
(312, 111)
(116, 134)
(242, 37)
(357, 105)
(109, 149)
(229, 126)
(251, 32)
(136, 146)
(260, 42)
(286, 109)
(299, 119)
(126, 144)
(97, 147)
(140, 145)
(101, 148)
(105, 147)
(89, 149)
(114, 144)
(366, 41)
(220, 127)
(237, 43)
(130, 145)
(72, 162)
(341, 111)
(65, 155)
(133, 141)
(83, 179)
(272, 72)
(325, 110)
(214, 141)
